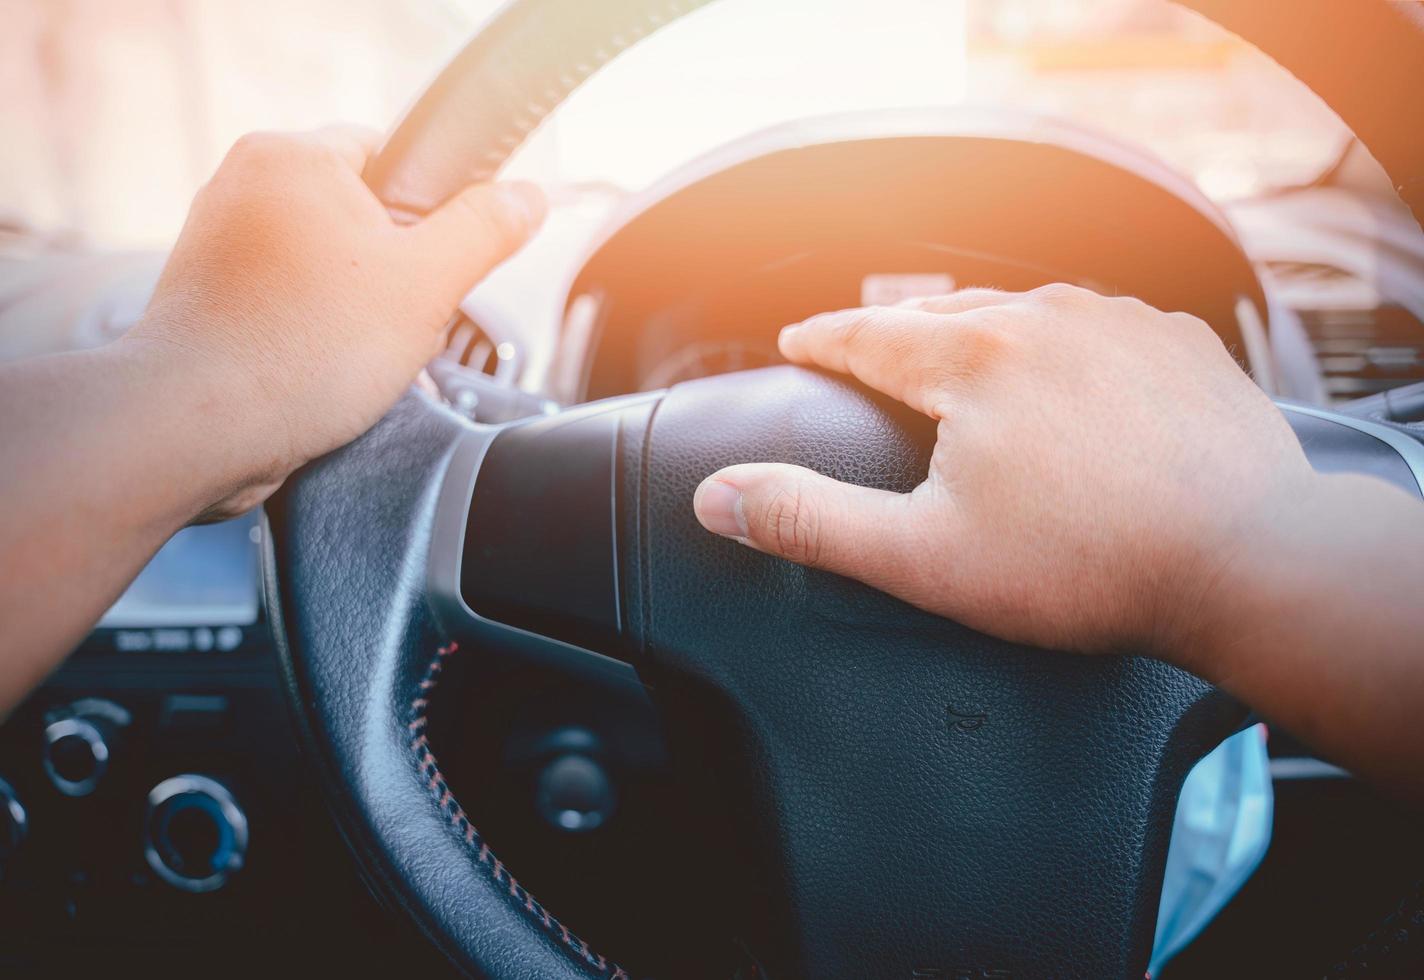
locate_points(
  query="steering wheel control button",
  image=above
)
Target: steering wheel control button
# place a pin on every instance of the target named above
(195, 835)
(79, 744)
(540, 542)
(575, 794)
(14, 823)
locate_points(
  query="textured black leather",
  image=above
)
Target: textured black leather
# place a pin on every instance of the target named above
(346, 586)
(929, 798)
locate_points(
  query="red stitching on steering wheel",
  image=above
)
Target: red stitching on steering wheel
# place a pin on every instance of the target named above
(460, 821)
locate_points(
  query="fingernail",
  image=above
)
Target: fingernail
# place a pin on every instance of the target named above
(719, 507)
(523, 202)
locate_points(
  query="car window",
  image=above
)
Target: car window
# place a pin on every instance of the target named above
(1146, 71)
(114, 114)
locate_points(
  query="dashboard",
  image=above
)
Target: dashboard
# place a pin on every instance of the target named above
(697, 274)
(154, 816)
(154, 811)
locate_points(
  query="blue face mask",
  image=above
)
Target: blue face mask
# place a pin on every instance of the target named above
(1219, 836)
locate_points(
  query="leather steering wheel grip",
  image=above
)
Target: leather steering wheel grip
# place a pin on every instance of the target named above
(522, 64)
(359, 649)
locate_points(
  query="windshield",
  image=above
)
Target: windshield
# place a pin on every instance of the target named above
(114, 114)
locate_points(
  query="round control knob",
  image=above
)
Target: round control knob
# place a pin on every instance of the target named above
(79, 742)
(14, 824)
(76, 754)
(195, 836)
(574, 793)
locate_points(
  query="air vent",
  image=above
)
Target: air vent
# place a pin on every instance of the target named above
(1365, 351)
(1363, 343)
(467, 344)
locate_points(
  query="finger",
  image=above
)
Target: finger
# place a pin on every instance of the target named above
(876, 344)
(354, 144)
(479, 228)
(900, 352)
(798, 514)
(960, 301)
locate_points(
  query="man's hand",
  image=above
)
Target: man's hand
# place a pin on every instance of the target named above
(291, 315)
(1100, 465)
(1106, 479)
(293, 292)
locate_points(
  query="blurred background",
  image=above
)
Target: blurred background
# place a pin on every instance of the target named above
(112, 114)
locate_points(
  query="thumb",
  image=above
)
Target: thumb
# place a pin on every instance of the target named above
(800, 515)
(478, 228)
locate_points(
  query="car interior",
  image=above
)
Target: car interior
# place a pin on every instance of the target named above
(489, 639)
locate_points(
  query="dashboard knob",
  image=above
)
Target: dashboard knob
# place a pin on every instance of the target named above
(79, 744)
(14, 823)
(76, 755)
(195, 835)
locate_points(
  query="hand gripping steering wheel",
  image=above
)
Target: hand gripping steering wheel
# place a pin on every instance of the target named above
(918, 800)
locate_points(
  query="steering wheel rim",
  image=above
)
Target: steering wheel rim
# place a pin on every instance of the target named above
(364, 626)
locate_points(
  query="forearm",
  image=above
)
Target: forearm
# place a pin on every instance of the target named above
(1320, 628)
(106, 454)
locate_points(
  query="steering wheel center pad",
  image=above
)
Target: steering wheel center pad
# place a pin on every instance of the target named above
(998, 808)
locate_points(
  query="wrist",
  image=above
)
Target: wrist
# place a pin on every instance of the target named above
(1241, 575)
(218, 448)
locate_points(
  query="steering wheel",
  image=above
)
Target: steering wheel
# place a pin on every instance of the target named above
(916, 799)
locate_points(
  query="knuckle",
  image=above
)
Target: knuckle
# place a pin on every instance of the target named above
(791, 526)
(1134, 307)
(1209, 340)
(260, 149)
(266, 162)
(1061, 294)
(477, 211)
(885, 328)
(860, 325)
(982, 347)
(963, 299)
(1190, 326)
(328, 152)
